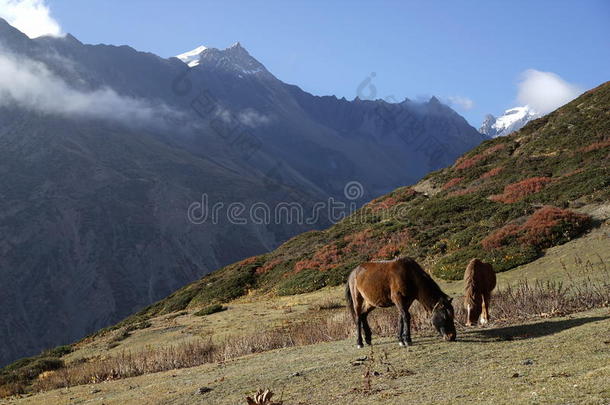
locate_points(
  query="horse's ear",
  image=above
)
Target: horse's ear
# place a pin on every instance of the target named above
(450, 300)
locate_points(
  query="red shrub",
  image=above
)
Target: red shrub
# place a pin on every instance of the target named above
(452, 183)
(595, 146)
(544, 228)
(389, 251)
(517, 191)
(500, 237)
(327, 257)
(392, 245)
(493, 149)
(361, 243)
(493, 172)
(467, 163)
(268, 266)
(464, 191)
(550, 225)
(384, 203)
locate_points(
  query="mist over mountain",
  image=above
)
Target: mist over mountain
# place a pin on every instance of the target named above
(103, 149)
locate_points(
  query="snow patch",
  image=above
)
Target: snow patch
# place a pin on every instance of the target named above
(191, 58)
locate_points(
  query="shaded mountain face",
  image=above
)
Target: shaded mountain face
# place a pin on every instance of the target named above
(107, 155)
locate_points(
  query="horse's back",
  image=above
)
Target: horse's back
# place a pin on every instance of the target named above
(379, 280)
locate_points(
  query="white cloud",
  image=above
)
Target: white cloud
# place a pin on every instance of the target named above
(32, 17)
(463, 103)
(31, 85)
(545, 91)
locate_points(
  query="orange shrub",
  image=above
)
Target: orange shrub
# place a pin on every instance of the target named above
(500, 237)
(389, 251)
(452, 183)
(466, 163)
(550, 225)
(384, 203)
(327, 257)
(517, 191)
(596, 146)
(493, 172)
(361, 243)
(463, 191)
(268, 266)
(469, 162)
(544, 228)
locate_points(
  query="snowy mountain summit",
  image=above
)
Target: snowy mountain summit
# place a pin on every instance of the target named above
(512, 120)
(191, 58)
(234, 58)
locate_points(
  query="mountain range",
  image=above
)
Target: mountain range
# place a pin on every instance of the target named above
(104, 150)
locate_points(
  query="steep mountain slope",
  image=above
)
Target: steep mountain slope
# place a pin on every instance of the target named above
(506, 201)
(512, 120)
(104, 150)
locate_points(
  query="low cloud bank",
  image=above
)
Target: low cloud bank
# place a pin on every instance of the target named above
(545, 91)
(29, 84)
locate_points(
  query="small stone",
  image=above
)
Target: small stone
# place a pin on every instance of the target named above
(362, 358)
(515, 375)
(95, 391)
(528, 362)
(296, 374)
(376, 373)
(203, 390)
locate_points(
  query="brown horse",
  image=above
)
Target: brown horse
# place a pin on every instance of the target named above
(479, 281)
(397, 282)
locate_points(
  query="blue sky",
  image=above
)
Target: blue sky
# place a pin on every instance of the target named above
(457, 51)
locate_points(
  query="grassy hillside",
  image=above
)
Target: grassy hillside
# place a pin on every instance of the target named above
(500, 365)
(506, 201)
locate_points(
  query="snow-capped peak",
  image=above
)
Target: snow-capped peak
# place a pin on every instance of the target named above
(191, 58)
(512, 120)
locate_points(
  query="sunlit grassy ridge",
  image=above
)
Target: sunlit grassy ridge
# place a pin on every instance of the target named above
(560, 160)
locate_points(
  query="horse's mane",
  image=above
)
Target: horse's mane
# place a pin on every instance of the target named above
(425, 277)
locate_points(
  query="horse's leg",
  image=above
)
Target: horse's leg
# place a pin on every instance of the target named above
(403, 309)
(407, 316)
(401, 324)
(358, 304)
(365, 325)
(485, 312)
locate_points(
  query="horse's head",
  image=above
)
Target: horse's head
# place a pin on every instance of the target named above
(442, 318)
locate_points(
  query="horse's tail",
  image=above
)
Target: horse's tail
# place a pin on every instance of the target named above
(349, 299)
(470, 292)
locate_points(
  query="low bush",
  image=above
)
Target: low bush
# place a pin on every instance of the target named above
(210, 309)
(517, 191)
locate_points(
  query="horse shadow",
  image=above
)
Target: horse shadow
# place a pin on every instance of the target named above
(526, 331)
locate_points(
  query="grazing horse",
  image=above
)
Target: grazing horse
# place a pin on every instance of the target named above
(479, 281)
(396, 282)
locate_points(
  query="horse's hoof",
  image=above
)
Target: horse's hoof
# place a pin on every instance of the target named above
(409, 343)
(359, 346)
(401, 344)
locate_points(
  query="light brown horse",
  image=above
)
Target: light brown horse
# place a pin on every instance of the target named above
(397, 282)
(479, 281)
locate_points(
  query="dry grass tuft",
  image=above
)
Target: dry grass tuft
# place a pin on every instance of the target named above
(510, 304)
